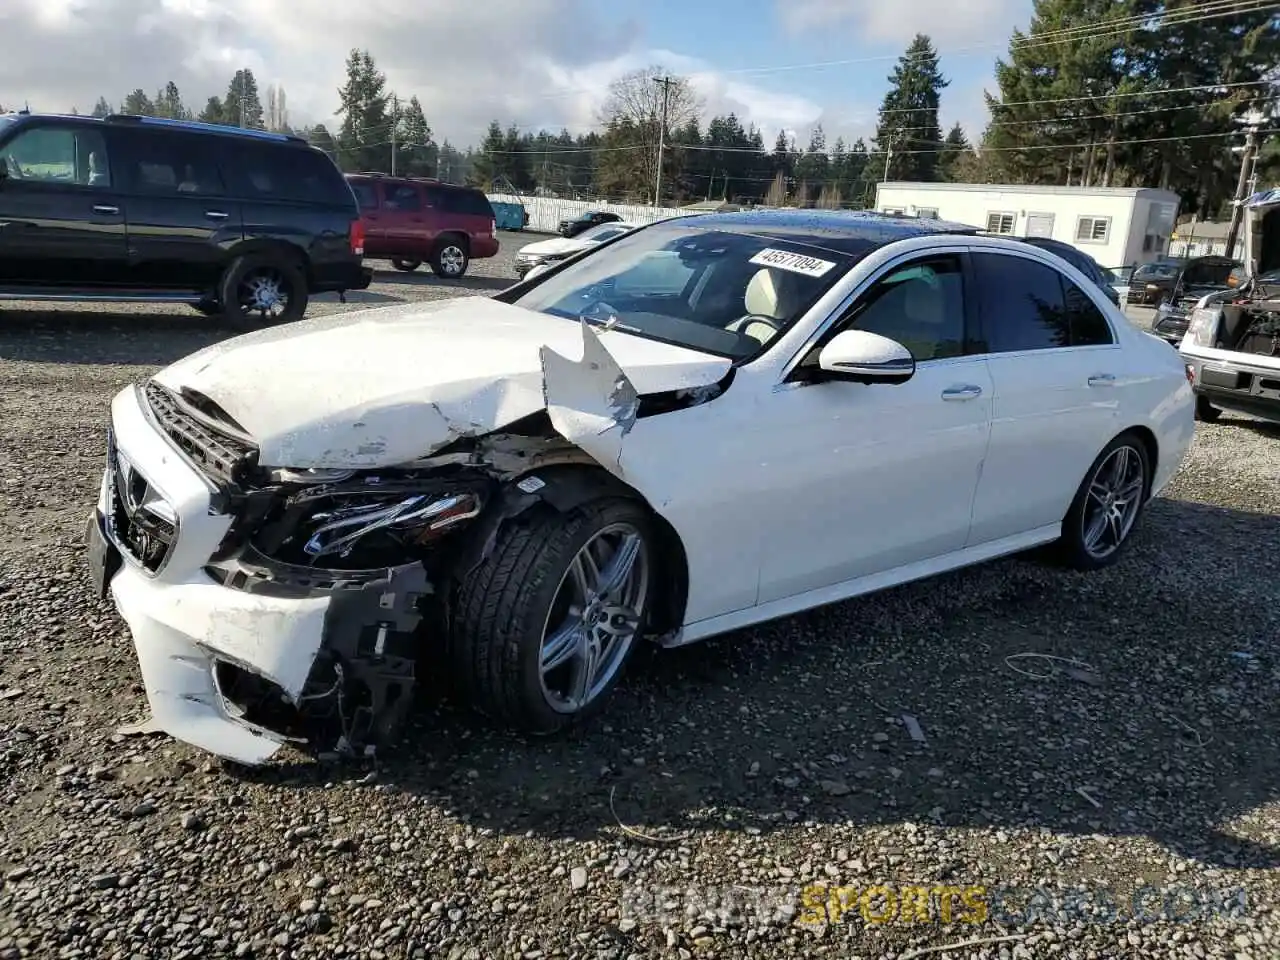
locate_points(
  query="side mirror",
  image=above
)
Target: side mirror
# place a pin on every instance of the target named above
(866, 357)
(537, 271)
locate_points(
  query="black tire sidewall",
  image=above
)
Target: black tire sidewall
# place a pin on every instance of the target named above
(242, 267)
(1205, 411)
(561, 536)
(437, 262)
(406, 265)
(1071, 546)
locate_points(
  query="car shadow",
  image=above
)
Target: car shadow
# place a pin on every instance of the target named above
(1164, 735)
(73, 336)
(429, 279)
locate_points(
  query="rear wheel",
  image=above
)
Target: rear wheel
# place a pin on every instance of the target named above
(1106, 508)
(544, 627)
(262, 289)
(450, 259)
(1205, 411)
(408, 266)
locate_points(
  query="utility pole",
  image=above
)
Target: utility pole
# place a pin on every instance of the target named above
(1247, 159)
(888, 156)
(666, 83)
(395, 122)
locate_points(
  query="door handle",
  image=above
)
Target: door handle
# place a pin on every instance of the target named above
(964, 391)
(105, 209)
(1102, 380)
(215, 215)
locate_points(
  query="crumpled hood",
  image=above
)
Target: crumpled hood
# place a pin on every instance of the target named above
(390, 385)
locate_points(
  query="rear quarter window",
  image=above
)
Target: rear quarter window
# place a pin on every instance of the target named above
(366, 195)
(469, 203)
(287, 172)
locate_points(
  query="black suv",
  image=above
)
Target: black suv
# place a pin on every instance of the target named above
(242, 223)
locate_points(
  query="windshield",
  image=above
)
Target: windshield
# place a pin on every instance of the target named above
(710, 290)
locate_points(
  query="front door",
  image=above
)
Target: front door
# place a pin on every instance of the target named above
(1057, 375)
(181, 219)
(869, 478)
(403, 220)
(62, 221)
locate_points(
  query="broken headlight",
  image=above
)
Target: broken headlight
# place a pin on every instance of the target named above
(1203, 329)
(365, 526)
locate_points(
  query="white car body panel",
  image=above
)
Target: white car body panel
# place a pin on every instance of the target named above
(784, 496)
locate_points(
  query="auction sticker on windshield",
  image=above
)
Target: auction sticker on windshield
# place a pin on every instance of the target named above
(794, 262)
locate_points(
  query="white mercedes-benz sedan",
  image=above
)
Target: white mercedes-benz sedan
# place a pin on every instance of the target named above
(701, 424)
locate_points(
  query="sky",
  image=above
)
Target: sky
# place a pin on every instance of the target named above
(780, 64)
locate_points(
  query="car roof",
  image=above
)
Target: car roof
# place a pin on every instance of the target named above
(164, 123)
(843, 231)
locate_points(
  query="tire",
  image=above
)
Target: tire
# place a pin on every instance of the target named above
(241, 283)
(408, 266)
(507, 609)
(1077, 548)
(450, 259)
(210, 308)
(1205, 411)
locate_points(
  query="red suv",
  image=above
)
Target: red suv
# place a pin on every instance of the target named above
(411, 220)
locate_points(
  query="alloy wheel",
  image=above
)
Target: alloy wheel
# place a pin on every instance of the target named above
(595, 618)
(264, 292)
(452, 260)
(1112, 502)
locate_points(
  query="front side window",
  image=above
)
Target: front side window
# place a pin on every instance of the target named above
(920, 305)
(1031, 306)
(716, 291)
(54, 155)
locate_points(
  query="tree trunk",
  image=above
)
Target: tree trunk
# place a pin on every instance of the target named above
(1087, 180)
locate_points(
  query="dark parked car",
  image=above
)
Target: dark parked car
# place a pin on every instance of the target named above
(409, 220)
(1090, 267)
(244, 223)
(592, 218)
(1198, 277)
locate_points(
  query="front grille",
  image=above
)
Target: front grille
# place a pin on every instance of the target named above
(136, 515)
(220, 455)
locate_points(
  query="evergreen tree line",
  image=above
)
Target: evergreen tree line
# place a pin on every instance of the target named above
(1095, 93)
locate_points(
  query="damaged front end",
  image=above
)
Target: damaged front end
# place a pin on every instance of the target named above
(273, 605)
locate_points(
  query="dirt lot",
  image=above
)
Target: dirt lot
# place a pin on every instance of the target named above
(1134, 813)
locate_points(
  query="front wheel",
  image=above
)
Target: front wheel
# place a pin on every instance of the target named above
(1105, 510)
(543, 628)
(450, 260)
(263, 290)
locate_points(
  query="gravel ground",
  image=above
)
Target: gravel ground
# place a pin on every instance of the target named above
(1130, 810)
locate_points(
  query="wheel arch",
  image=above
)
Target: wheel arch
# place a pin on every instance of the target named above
(564, 488)
(1146, 436)
(462, 239)
(254, 246)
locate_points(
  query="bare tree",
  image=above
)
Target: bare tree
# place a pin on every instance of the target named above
(829, 198)
(777, 195)
(277, 111)
(636, 100)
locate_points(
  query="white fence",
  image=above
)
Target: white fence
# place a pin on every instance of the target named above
(545, 213)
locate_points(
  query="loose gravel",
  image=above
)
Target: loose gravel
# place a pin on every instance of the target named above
(1127, 808)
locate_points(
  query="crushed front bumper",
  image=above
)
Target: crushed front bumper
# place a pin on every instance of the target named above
(1236, 384)
(192, 631)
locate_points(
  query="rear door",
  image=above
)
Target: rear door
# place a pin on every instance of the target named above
(1055, 367)
(375, 234)
(61, 215)
(404, 219)
(181, 220)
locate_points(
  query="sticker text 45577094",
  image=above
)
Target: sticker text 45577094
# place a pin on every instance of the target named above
(793, 262)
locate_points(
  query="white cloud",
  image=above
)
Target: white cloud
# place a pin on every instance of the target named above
(947, 22)
(530, 62)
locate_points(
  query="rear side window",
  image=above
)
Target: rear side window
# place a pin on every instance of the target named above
(468, 203)
(366, 196)
(401, 196)
(1030, 306)
(168, 164)
(286, 172)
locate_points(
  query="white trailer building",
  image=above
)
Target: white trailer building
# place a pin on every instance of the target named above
(1117, 226)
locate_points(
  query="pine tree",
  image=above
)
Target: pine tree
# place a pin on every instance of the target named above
(364, 140)
(213, 111)
(418, 152)
(138, 104)
(102, 108)
(489, 163)
(908, 124)
(169, 103)
(953, 149)
(242, 106)
(813, 168)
